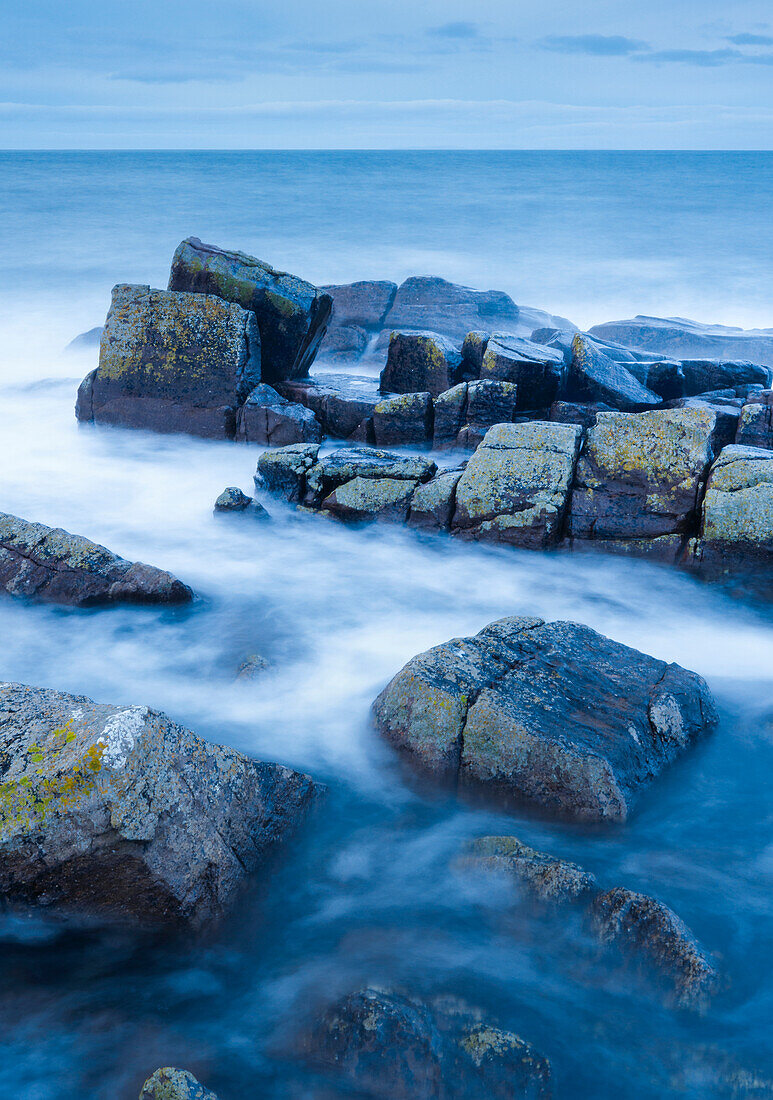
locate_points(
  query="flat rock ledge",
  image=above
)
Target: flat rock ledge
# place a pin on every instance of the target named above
(118, 812)
(640, 926)
(553, 714)
(48, 563)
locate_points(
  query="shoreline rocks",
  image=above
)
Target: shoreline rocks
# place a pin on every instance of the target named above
(121, 813)
(169, 1083)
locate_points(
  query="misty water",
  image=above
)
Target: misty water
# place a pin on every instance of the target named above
(367, 893)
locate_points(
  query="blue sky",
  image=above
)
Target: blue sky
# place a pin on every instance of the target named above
(343, 74)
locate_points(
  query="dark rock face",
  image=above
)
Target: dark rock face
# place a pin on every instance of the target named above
(358, 311)
(473, 349)
(340, 402)
(405, 420)
(292, 315)
(420, 361)
(549, 878)
(449, 416)
(232, 499)
(393, 1046)
(284, 472)
(538, 371)
(120, 812)
(755, 424)
(169, 1083)
(567, 412)
(553, 713)
(680, 338)
(429, 303)
(432, 504)
(593, 377)
(172, 363)
(47, 563)
(489, 402)
(343, 466)
(268, 418)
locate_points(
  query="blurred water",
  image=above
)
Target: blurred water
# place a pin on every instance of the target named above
(367, 894)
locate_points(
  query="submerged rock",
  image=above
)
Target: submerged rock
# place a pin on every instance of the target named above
(420, 361)
(395, 1046)
(268, 418)
(47, 563)
(253, 667)
(120, 812)
(553, 713)
(169, 1083)
(172, 363)
(549, 878)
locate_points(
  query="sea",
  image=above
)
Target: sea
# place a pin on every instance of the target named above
(371, 894)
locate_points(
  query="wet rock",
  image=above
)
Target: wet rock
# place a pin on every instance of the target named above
(640, 924)
(420, 361)
(405, 420)
(450, 410)
(640, 475)
(272, 420)
(547, 877)
(394, 1046)
(727, 414)
(755, 423)
(593, 377)
(552, 713)
(338, 467)
(47, 563)
(426, 302)
(432, 504)
(366, 499)
(537, 371)
(284, 472)
(666, 549)
(738, 504)
(292, 315)
(253, 667)
(516, 486)
(358, 311)
(120, 812)
(232, 499)
(174, 1084)
(172, 363)
(568, 412)
(340, 402)
(473, 349)
(489, 402)
(680, 338)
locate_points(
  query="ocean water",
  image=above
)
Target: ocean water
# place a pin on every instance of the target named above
(369, 895)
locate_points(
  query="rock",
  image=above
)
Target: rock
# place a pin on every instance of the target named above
(547, 877)
(640, 475)
(744, 568)
(738, 503)
(420, 361)
(677, 337)
(47, 563)
(284, 472)
(253, 667)
(425, 302)
(755, 424)
(432, 504)
(172, 363)
(394, 1046)
(488, 403)
(270, 419)
(232, 499)
(551, 713)
(567, 412)
(338, 467)
(666, 549)
(358, 311)
(647, 927)
(537, 371)
(516, 486)
(593, 376)
(726, 412)
(450, 410)
(174, 1084)
(120, 812)
(473, 350)
(365, 498)
(702, 375)
(403, 421)
(340, 402)
(292, 315)
(84, 341)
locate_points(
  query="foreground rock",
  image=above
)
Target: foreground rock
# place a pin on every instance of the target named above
(120, 812)
(552, 713)
(172, 363)
(422, 361)
(394, 1046)
(47, 563)
(174, 1084)
(292, 315)
(637, 924)
(689, 339)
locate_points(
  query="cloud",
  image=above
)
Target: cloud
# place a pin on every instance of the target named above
(750, 39)
(704, 59)
(596, 45)
(455, 30)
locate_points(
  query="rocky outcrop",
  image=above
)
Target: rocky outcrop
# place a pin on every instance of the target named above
(340, 467)
(420, 361)
(358, 311)
(47, 563)
(640, 475)
(551, 713)
(405, 420)
(85, 341)
(340, 402)
(538, 371)
(270, 419)
(391, 1045)
(426, 302)
(515, 487)
(169, 1083)
(691, 377)
(292, 315)
(119, 812)
(172, 363)
(594, 376)
(680, 338)
(370, 498)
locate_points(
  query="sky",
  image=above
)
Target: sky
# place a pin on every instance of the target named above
(250, 74)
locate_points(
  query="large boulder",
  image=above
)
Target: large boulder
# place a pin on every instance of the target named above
(169, 1083)
(551, 713)
(172, 363)
(340, 402)
(268, 418)
(292, 315)
(465, 413)
(640, 475)
(538, 371)
(427, 302)
(420, 361)
(680, 338)
(118, 811)
(387, 1044)
(594, 376)
(48, 563)
(515, 487)
(358, 311)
